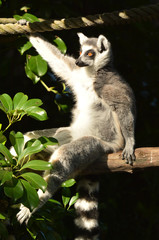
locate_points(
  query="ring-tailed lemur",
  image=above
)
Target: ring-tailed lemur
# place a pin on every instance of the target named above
(103, 122)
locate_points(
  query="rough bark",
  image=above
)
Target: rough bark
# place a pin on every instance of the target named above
(146, 157)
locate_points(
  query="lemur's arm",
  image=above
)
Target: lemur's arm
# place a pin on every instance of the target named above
(61, 65)
(122, 102)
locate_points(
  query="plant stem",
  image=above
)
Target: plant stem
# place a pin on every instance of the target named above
(7, 127)
(49, 89)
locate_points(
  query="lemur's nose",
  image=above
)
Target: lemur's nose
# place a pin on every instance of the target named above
(80, 63)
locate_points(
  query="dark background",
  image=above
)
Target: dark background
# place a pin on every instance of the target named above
(129, 203)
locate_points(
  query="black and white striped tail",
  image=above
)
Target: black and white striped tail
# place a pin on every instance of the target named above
(86, 221)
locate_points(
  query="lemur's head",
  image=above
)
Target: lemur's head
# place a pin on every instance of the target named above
(94, 52)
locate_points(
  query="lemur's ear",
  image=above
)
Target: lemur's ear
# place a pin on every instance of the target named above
(102, 43)
(82, 38)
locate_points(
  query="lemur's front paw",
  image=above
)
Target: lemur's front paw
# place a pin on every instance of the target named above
(128, 155)
(23, 215)
(23, 22)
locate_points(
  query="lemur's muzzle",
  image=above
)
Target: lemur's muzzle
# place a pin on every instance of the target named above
(80, 63)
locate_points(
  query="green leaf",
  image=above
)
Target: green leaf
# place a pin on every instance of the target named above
(5, 176)
(3, 104)
(3, 139)
(2, 217)
(62, 107)
(38, 165)
(60, 44)
(14, 189)
(48, 141)
(6, 103)
(66, 195)
(3, 162)
(73, 200)
(26, 46)
(37, 113)
(2, 157)
(34, 148)
(35, 180)
(17, 141)
(31, 75)
(32, 102)
(8, 99)
(31, 234)
(6, 153)
(68, 183)
(29, 17)
(17, 17)
(55, 202)
(32, 199)
(19, 100)
(37, 65)
(30, 142)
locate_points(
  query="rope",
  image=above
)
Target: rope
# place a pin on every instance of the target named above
(146, 13)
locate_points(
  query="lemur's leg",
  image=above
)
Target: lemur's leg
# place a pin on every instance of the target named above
(68, 160)
(62, 134)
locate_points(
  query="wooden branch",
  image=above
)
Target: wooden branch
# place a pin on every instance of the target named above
(145, 158)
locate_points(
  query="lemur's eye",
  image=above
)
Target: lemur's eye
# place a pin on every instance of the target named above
(80, 52)
(90, 54)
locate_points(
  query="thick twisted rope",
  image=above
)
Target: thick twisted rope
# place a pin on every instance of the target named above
(147, 13)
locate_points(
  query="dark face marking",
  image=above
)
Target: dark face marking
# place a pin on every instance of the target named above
(86, 57)
(80, 63)
(90, 53)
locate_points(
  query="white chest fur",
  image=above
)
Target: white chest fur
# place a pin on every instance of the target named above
(84, 114)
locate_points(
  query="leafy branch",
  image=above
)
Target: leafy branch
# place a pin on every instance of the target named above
(18, 183)
(20, 166)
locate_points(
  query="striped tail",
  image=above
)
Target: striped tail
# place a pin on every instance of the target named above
(86, 221)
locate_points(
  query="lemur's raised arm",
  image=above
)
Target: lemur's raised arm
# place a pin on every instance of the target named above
(60, 64)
